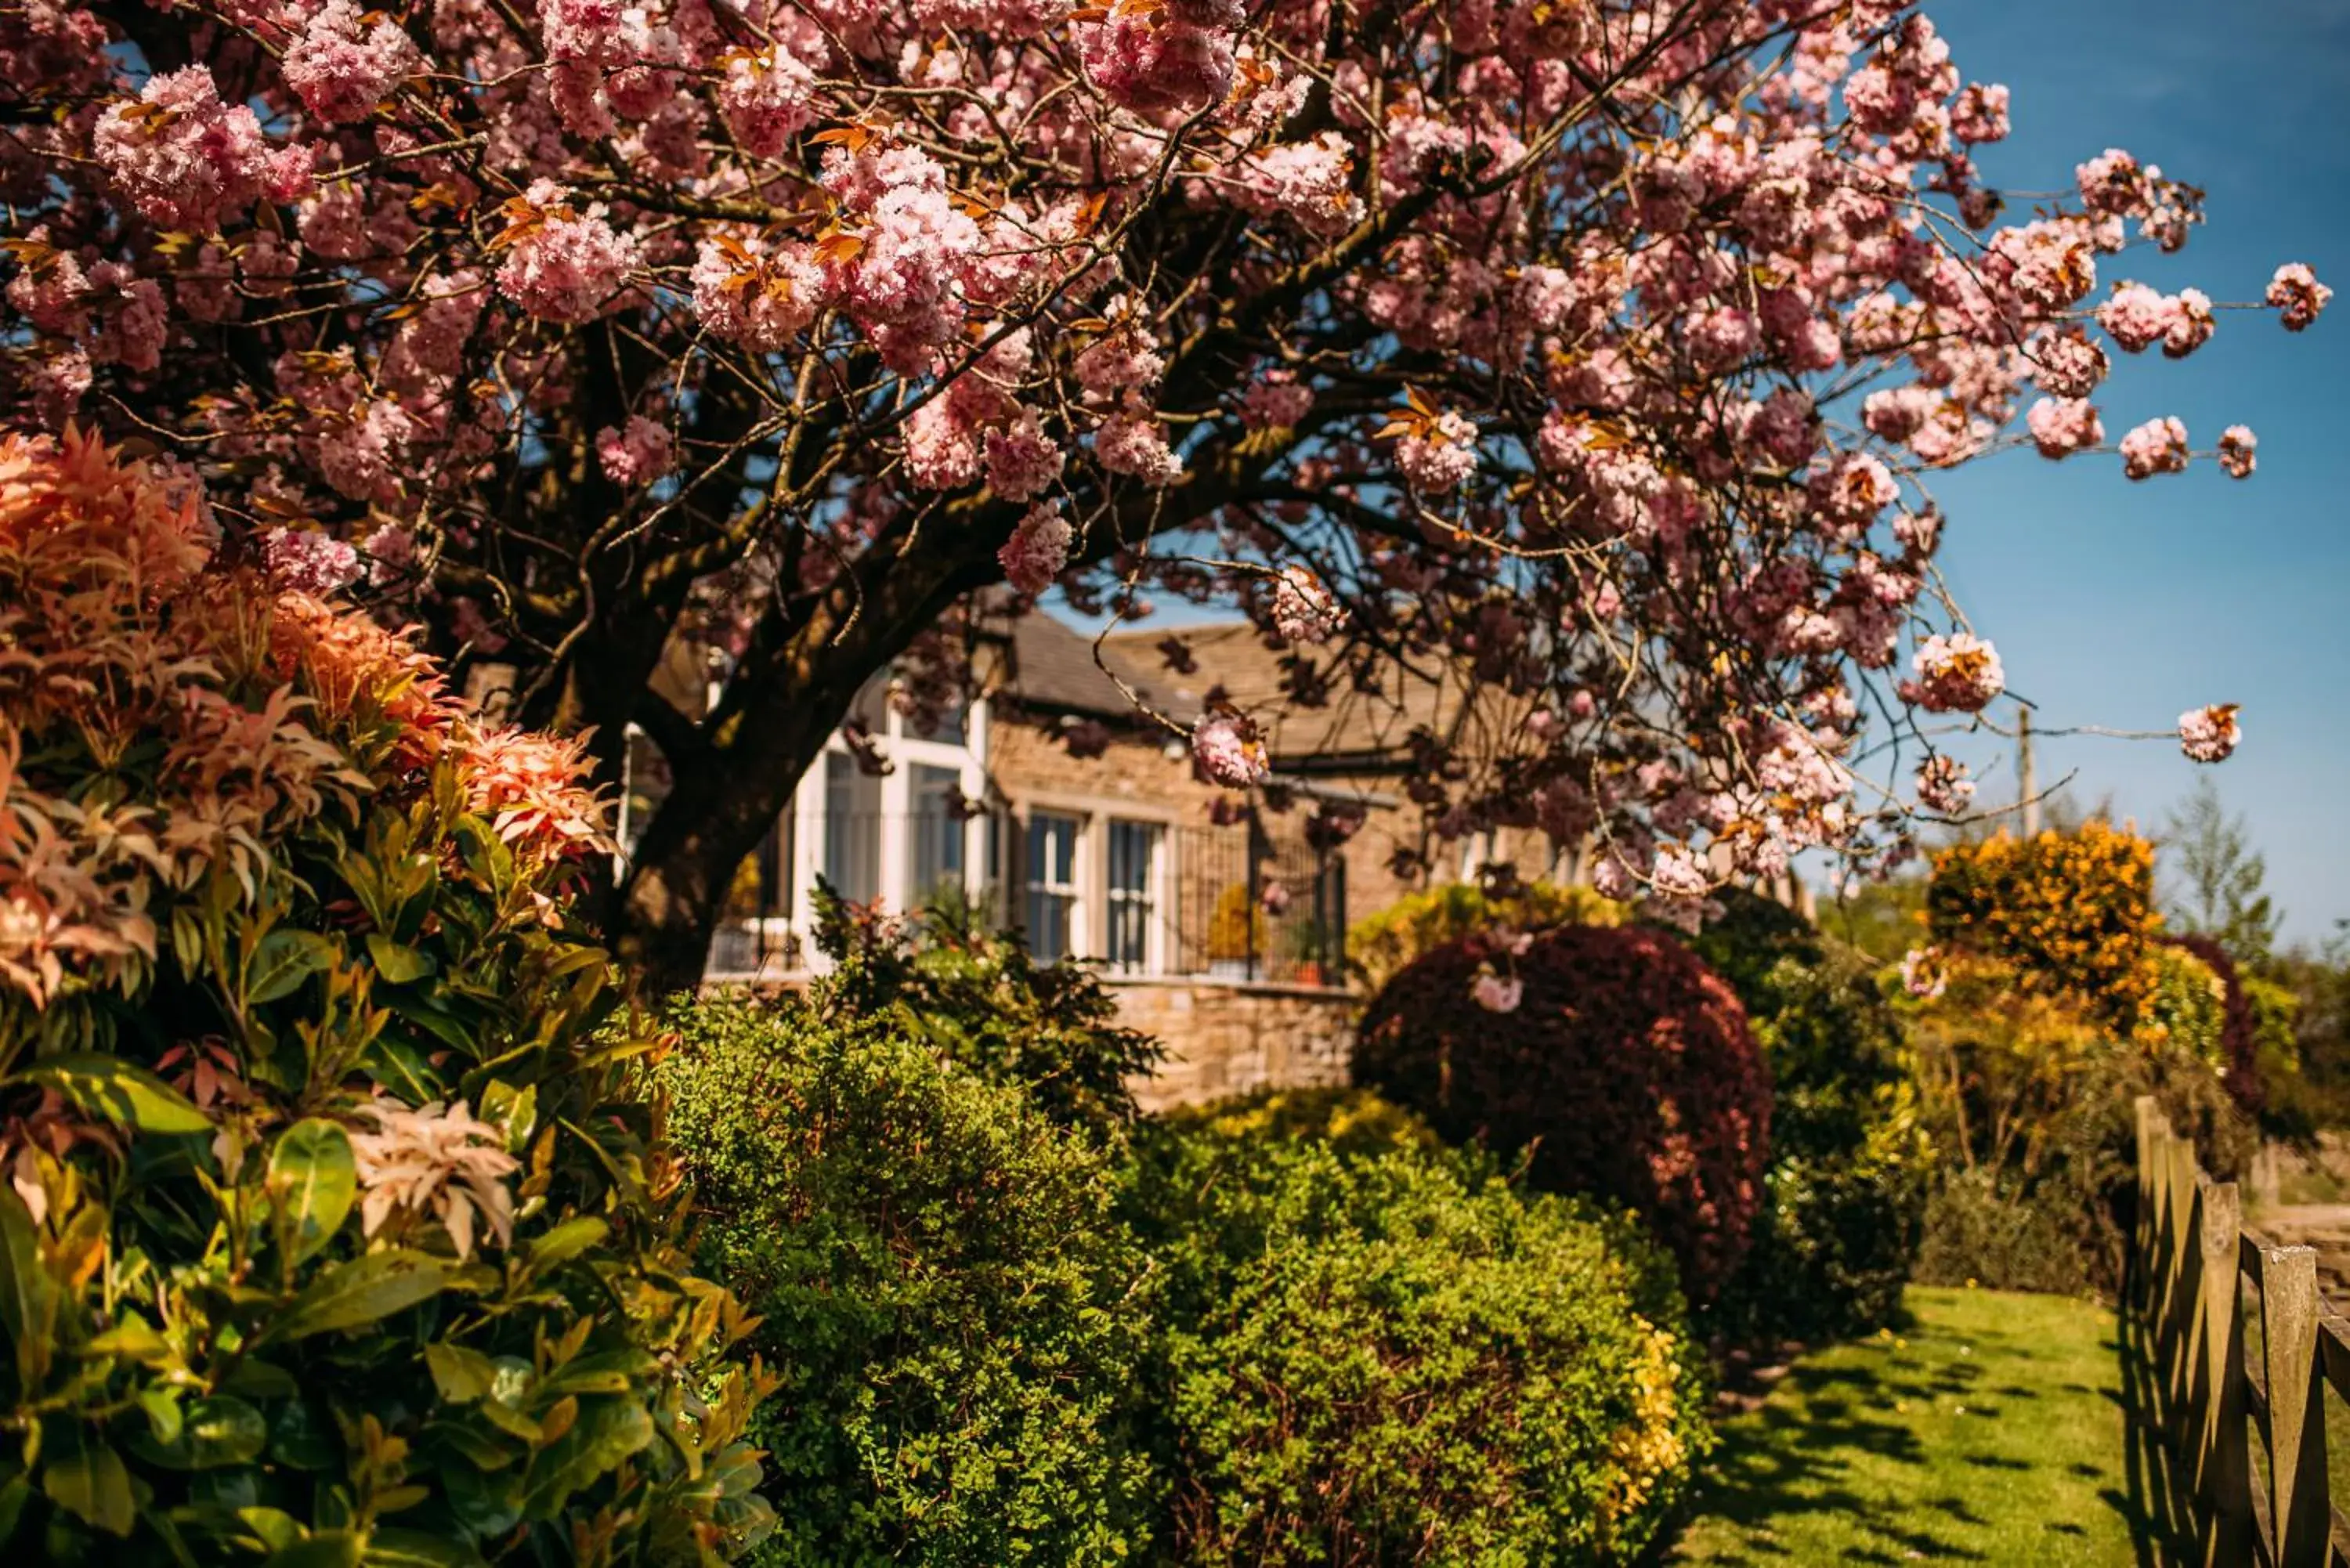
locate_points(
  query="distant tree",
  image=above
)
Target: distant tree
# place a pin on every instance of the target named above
(2216, 878)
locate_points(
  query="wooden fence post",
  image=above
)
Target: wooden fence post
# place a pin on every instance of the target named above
(2223, 1465)
(2298, 1504)
(2182, 1299)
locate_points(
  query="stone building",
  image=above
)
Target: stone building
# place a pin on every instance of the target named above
(1062, 800)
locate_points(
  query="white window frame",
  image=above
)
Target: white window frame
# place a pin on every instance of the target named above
(1152, 897)
(1074, 889)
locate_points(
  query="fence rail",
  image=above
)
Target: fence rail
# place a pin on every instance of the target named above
(2235, 1350)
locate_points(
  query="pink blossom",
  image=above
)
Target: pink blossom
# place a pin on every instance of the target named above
(2210, 735)
(307, 561)
(1273, 899)
(1924, 974)
(1023, 461)
(2295, 292)
(1943, 786)
(1153, 64)
(755, 295)
(2135, 316)
(2158, 446)
(1229, 752)
(1440, 454)
(768, 98)
(1303, 609)
(1134, 444)
(637, 453)
(187, 159)
(1306, 181)
(1980, 114)
(1957, 673)
(562, 264)
(1496, 993)
(2062, 426)
(2236, 446)
(1850, 493)
(2191, 323)
(2067, 364)
(1678, 874)
(1038, 549)
(1276, 400)
(2113, 182)
(341, 69)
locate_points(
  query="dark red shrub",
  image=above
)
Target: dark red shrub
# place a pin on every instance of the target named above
(1627, 1070)
(2239, 1048)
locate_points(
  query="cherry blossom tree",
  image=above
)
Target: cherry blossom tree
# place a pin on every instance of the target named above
(1603, 347)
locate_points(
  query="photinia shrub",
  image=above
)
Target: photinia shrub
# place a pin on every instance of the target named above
(1389, 1355)
(334, 1230)
(1620, 1067)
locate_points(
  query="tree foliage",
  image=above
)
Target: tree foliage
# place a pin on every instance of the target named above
(336, 1226)
(2218, 878)
(1601, 347)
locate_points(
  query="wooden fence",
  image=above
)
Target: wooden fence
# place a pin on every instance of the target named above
(2235, 1349)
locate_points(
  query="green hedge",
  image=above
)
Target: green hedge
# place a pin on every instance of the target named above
(1389, 1356)
(945, 1294)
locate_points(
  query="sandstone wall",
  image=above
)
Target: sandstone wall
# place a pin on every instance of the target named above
(1225, 1039)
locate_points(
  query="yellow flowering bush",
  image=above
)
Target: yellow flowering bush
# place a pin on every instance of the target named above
(332, 1230)
(2070, 913)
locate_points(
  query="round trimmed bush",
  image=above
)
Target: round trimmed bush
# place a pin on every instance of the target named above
(1394, 1358)
(1626, 1070)
(943, 1288)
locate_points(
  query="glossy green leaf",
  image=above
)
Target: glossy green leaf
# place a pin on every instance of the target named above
(215, 1432)
(273, 1527)
(397, 962)
(29, 1297)
(363, 1291)
(461, 1374)
(607, 1372)
(111, 1087)
(314, 1179)
(567, 1241)
(285, 959)
(131, 1339)
(608, 1431)
(81, 1474)
(13, 1499)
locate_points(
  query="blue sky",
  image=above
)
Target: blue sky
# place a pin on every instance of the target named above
(2121, 604)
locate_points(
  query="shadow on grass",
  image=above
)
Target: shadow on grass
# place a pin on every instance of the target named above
(2161, 1531)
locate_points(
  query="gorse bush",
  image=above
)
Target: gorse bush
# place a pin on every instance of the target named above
(2071, 913)
(1392, 1357)
(334, 1230)
(1379, 945)
(1850, 1159)
(1626, 1069)
(941, 1288)
(978, 997)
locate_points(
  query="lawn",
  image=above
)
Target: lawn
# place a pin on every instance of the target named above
(1990, 1430)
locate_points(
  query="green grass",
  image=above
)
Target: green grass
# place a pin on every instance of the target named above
(1990, 1430)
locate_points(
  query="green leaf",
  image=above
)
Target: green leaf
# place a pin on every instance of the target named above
(285, 960)
(397, 962)
(315, 1179)
(606, 1372)
(214, 1433)
(131, 1339)
(608, 1431)
(110, 1087)
(567, 1241)
(324, 1549)
(275, 1528)
(461, 1374)
(163, 1411)
(418, 1549)
(29, 1297)
(12, 1498)
(402, 1067)
(362, 1291)
(82, 1474)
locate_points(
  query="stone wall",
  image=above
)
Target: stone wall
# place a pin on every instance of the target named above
(1227, 1039)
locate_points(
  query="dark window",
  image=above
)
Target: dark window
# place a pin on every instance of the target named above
(1133, 875)
(852, 828)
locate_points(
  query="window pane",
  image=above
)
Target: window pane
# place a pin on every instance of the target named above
(938, 832)
(1133, 854)
(1051, 901)
(852, 828)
